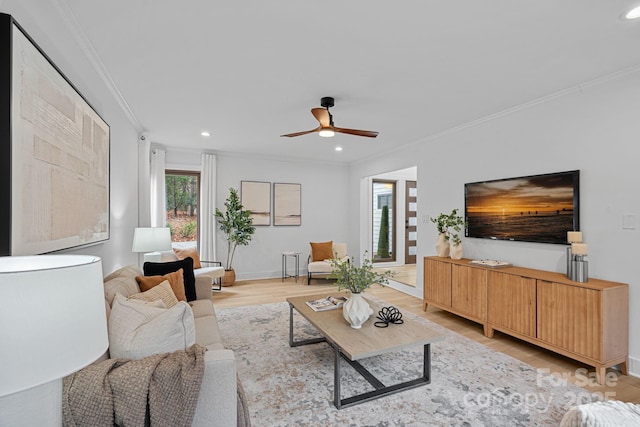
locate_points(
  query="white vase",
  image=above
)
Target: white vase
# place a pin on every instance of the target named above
(456, 251)
(356, 310)
(442, 246)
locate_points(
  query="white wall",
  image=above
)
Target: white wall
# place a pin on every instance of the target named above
(41, 20)
(324, 195)
(594, 128)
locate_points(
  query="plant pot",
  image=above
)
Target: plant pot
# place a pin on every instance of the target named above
(229, 277)
(456, 251)
(356, 310)
(442, 246)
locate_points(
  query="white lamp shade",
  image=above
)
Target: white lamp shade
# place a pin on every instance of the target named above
(53, 320)
(151, 239)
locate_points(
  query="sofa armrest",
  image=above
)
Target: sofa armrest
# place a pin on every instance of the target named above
(217, 402)
(203, 287)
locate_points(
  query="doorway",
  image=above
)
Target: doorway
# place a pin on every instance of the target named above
(402, 206)
(383, 214)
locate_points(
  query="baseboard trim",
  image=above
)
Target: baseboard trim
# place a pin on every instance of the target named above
(633, 367)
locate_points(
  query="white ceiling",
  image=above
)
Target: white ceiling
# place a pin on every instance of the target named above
(251, 71)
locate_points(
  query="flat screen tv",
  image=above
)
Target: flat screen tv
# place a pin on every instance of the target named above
(536, 208)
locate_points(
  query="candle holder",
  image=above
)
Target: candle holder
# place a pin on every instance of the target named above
(580, 268)
(577, 267)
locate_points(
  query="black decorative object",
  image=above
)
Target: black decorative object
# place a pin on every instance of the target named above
(162, 268)
(389, 315)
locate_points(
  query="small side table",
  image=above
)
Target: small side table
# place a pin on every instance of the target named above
(285, 273)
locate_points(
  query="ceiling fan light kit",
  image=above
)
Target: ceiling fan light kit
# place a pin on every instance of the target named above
(326, 133)
(327, 128)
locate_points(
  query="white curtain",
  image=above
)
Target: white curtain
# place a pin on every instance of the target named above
(207, 238)
(144, 202)
(158, 195)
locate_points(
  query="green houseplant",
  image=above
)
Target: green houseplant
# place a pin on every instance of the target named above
(448, 226)
(356, 280)
(237, 226)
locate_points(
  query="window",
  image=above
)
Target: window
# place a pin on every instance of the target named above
(384, 200)
(183, 193)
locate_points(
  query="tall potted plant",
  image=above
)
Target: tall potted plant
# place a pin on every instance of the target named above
(237, 226)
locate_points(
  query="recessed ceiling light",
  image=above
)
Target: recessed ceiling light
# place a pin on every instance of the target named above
(205, 133)
(338, 148)
(633, 13)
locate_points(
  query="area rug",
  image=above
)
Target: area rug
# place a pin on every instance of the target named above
(471, 385)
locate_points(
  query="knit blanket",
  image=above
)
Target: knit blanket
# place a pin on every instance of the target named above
(159, 390)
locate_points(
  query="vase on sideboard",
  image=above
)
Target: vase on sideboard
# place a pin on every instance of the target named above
(442, 245)
(455, 251)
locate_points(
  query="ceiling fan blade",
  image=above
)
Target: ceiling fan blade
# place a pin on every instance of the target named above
(322, 115)
(367, 133)
(301, 133)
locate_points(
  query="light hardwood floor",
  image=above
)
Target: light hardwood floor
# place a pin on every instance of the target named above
(621, 387)
(404, 274)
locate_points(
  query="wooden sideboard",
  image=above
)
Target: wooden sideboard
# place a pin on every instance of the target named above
(587, 321)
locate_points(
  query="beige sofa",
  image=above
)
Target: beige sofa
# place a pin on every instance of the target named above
(217, 402)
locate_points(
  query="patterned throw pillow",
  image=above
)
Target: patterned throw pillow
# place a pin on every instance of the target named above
(162, 292)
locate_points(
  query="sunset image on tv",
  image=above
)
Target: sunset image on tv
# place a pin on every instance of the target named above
(539, 208)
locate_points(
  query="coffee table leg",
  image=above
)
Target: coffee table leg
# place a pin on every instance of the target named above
(380, 388)
(426, 367)
(336, 379)
(293, 343)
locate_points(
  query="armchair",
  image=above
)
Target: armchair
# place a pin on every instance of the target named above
(201, 268)
(319, 261)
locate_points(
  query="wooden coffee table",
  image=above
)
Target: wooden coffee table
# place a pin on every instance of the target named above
(356, 344)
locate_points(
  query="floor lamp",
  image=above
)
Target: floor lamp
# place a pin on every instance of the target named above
(52, 323)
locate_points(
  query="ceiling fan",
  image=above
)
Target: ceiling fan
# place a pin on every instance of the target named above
(326, 127)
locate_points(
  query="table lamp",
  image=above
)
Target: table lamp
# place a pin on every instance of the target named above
(151, 240)
(52, 323)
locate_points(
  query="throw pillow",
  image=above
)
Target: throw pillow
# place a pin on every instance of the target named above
(162, 292)
(189, 252)
(175, 279)
(321, 250)
(161, 268)
(137, 330)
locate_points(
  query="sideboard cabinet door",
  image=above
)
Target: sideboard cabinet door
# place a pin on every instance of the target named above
(469, 291)
(570, 317)
(512, 303)
(437, 282)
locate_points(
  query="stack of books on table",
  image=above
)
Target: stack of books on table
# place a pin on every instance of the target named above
(326, 303)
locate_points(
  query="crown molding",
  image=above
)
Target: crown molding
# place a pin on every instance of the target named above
(92, 56)
(579, 88)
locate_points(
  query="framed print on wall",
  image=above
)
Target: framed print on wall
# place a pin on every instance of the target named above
(54, 154)
(255, 197)
(287, 204)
